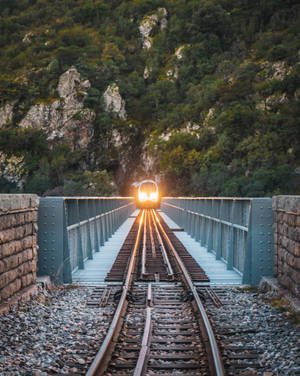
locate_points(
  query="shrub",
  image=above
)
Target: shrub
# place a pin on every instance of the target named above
(38, 183)
(278, 52)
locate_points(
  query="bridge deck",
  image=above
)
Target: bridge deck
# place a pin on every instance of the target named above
(95, 270)
(215, 269)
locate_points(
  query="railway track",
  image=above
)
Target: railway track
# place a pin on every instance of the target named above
(160, 325)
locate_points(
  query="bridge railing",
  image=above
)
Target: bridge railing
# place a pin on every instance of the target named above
(72, 229)
(237, 230)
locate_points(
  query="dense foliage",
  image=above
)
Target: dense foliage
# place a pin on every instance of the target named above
(221, 120)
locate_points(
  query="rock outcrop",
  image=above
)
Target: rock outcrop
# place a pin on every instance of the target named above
(147, 158)
(173, 70)
(65, 119)
(210, 115)
(172, 73)
(114, 102)
(147, 72)
(6, 113)
(116, 139)
(277, 70)
(149, 22)
(12, 169)
(27, 37)
(179, 52)
(275, 100)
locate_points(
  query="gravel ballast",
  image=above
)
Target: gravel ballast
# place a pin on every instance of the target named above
(248, 321)
(55, 334)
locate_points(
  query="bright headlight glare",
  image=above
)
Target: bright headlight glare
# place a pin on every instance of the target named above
(154, 196)
(142, 196)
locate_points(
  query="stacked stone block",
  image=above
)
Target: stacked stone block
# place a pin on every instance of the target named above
(287, 241)
(18, 243)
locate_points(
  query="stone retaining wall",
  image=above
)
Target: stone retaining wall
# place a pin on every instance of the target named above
(18, 243)
(287, 241)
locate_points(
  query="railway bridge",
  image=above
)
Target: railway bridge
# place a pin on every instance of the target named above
(231, 238)
(155, 277)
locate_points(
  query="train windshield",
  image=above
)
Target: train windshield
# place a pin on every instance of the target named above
(148, 187)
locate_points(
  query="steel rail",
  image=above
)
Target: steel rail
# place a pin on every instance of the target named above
(102, 358)
(218, 367)
(213, 297)
(152, 239)
(144, 250)
(149, 296)
(104, 297)
(162, 246)
(146, 341)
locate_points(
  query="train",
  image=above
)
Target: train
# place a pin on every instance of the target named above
(147, 196)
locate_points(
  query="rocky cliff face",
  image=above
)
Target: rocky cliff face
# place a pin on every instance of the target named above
(6, 113)
(65, 119)
(190, 91)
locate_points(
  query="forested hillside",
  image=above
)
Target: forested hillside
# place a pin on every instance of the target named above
(202, 94)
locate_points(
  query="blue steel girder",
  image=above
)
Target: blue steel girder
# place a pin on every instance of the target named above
(237, 230)
(72, 229)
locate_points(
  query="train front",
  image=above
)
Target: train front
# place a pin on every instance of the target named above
(148, 195)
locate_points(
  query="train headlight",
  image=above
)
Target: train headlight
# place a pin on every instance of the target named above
(154, 196)
(142, 196)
